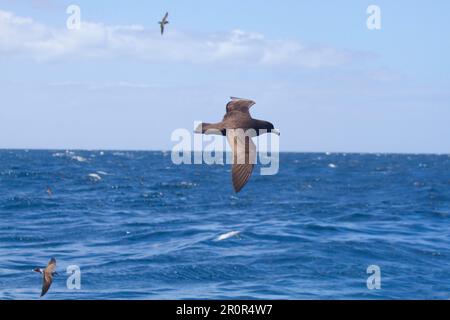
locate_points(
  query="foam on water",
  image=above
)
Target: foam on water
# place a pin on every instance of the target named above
(228, 235)
(94, 177)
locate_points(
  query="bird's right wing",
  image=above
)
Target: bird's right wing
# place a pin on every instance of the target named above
(166, 16)
(51, 267)
(244, 157)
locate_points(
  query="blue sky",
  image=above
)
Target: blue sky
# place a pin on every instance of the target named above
(314, 69)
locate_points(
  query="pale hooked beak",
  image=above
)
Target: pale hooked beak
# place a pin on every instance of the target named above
(276, 131)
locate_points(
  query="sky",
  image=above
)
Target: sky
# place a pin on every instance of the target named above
(315, 70)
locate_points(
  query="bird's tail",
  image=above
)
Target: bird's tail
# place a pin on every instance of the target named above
(201, 128)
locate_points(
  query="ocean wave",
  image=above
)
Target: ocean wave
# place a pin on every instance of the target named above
(228, 235)
(145, 232)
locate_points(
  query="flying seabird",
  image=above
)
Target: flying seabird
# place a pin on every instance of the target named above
(238, 116)
(163, 22)
(47, 275)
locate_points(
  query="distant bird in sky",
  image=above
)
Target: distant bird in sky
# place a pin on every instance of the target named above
(47, 275)
(244, 150)
(163, 22)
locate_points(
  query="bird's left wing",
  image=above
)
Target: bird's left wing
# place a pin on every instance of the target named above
(244, 157)
(166, 16)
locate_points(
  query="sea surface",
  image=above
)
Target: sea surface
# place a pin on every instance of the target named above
(139, 227)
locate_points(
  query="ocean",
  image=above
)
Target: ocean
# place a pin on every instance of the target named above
(139, 227)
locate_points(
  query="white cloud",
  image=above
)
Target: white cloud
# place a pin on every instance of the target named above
(25, 37)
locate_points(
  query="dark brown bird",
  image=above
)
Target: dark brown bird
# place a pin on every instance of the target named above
(163, 23)
(244, 150)
(47, 275)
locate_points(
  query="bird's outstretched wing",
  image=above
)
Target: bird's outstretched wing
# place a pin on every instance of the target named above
(47, 276)
(162, 28)
(166, 16)
(46, 283)
(51, 266)
(242, 105)
(244, 157)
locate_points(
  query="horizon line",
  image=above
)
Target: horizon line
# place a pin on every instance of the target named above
(285, 151)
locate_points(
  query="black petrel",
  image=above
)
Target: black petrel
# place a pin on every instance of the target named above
(163, 22)
(238, 126)
(47, 275)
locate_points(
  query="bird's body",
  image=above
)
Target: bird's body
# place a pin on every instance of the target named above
(237, 116)
(239, 127)
(47, 275)
(163, 22)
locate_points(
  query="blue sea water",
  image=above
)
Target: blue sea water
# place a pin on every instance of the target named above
(148, 229)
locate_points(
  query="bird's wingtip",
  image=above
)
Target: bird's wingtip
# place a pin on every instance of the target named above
(243, 99)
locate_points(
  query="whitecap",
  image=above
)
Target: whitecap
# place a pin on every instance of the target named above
(187, 184)
(228, 235)
(58, 155)
(94, 177)
(332, 165)
(79, 159)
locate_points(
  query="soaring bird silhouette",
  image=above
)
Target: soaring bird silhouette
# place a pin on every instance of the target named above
(235, 126)
(47, 275)
(163, 22)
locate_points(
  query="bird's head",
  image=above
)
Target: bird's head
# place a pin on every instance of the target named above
(270, 128)
(38, 270)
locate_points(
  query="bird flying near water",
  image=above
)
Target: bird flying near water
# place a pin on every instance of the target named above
(244, 150)
(47, 275)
